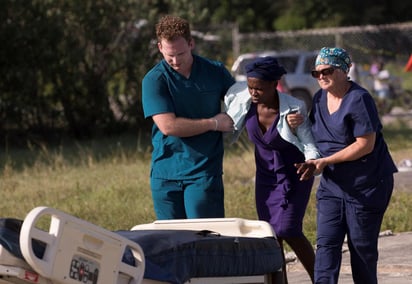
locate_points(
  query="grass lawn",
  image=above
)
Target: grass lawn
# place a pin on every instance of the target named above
(106, 181)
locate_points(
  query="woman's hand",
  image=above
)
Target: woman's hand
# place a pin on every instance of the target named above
(305, 170)
(294, 120)
(310, 168)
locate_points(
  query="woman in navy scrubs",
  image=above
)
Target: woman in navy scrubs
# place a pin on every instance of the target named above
(357, 171)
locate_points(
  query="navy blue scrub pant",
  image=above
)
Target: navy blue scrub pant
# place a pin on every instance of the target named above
(360, 218)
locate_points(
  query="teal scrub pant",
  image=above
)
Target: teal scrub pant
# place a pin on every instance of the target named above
(187, 199)
(359, 218)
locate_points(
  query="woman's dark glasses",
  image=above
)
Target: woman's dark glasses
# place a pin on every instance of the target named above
(324, 72)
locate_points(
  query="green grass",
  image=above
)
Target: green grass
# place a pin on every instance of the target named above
(106, 181)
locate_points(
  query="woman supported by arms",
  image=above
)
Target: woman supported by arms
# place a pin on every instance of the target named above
(281, 197)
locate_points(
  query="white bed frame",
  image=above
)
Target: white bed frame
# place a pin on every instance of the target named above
(76, 252)
(71, 241)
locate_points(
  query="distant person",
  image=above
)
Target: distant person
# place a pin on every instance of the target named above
(375, 67)
(281, 197)
(353, 72)
(381, 80)
(357, 171)
(183, 94)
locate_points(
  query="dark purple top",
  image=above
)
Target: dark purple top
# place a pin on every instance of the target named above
(274, 156)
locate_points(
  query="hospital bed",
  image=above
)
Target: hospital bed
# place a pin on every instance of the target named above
(56, 248)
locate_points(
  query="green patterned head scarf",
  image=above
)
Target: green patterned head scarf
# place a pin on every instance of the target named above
(334, 56)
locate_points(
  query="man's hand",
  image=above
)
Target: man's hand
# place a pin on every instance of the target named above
(224, 122)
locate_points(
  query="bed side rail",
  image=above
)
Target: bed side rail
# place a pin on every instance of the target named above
(76, 250)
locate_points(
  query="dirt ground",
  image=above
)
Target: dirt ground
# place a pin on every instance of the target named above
(394, 266)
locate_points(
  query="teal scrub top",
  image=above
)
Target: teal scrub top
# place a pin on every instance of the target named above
(199, 96)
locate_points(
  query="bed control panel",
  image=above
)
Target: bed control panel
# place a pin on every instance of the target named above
(84, 270)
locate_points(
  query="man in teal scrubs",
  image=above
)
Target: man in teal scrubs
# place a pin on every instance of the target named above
(182, 94)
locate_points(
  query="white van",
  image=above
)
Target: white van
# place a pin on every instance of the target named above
(298, 65)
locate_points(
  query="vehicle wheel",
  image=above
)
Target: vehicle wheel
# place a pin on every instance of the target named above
(384, 106)
(303, 96)
(406, 99)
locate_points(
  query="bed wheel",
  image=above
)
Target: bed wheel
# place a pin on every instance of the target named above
(276, 277)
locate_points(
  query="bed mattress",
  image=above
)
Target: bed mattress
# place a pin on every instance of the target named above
(175, 256)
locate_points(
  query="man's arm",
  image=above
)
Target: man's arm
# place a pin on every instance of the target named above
(171, 125)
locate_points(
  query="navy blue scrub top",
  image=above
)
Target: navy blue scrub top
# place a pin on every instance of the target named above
(356, 116)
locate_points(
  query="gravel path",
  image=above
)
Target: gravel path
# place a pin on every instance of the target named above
(394, 266)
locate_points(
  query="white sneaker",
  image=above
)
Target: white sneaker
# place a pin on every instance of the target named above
(405, 165)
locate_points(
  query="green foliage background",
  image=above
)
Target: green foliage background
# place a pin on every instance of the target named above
(74, 68)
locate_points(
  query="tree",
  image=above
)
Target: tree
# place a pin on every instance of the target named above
(65, 61)
(77, 65)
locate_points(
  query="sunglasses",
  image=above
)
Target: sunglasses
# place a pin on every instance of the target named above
(324, 72)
